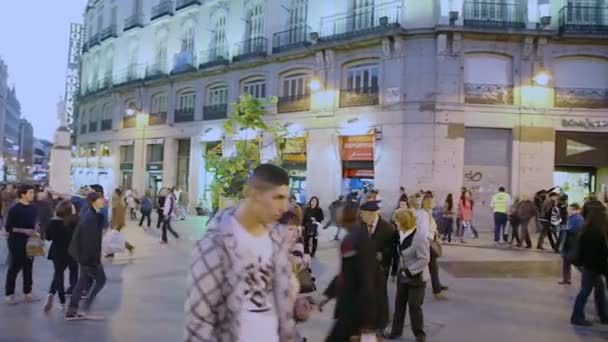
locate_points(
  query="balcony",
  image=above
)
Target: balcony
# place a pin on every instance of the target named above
(581, 97)
(214, 57)
(583, 19)
(108, 32)
(251, 48)
(184, 115)
(359, 97)
(361, 22)
(92, 127)
(182, 4)
(297, 103)
(494, 15)
(215, 112)
(164, 8)
(132, 74)
(183, 62)
(136, 20)
(155, 119)
(155, 71)
(106, 125)
(488, 94)
(291, 39)
(94, 40)
(129, 121)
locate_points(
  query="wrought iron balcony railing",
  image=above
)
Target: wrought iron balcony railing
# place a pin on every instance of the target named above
(295, 103)
(109, 32)
(164, 8)
(488, 94)
(106, 125)
(182, 4)
(93, 127)
(293, 38)
(157, 119)
(215, 112)
(183, 62)
(214, 57)
(131, 74)
(184, 115)
(362, 21)
(94, 40)
(367, 96)
(129, 121)
(491, 14)
(251, 48)
(581, 97)
(136, 20)
(105, 82)
(583, 19)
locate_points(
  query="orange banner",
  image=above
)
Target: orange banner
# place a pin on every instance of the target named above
(357, 147)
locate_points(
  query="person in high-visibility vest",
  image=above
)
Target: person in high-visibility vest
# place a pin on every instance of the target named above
(501, 203)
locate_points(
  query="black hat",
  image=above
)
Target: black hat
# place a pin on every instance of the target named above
(371, 206)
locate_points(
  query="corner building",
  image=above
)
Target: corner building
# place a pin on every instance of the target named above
(434, 94)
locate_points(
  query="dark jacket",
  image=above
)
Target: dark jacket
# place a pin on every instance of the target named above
(589, 205)
(386, 240)
(85, 246)
(592, 251)
(355, 287)
(526, 210)
(310, 229)
(45, 213)
(60, 234)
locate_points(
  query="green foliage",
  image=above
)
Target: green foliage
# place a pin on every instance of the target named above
(231, 173)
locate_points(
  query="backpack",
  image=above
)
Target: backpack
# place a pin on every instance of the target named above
(146, 205)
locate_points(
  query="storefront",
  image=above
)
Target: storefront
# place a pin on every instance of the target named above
(154, 165)
(581, 164)
(183, 163)
(293, 160)
(357, 155)
(127, 153)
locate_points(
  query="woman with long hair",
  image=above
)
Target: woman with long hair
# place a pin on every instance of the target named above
(313, 217)
(448, 218)
(591, 256)
(59, 232)
(465, 214)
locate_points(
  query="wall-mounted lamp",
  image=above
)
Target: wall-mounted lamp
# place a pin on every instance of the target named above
(542, 78)
(315, 85)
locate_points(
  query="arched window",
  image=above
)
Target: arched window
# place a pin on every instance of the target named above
(106, 117)
(360, 84)
(159, 103)
(218, 42)
(581, 81)
(184, 109)
(93, 120)
(295, 84)
(255, 21)
(187, 37)
(217, 95)
(488, 78)
(255, 86)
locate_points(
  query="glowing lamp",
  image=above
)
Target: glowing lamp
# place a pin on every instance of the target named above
(542, 78)
(315, 85)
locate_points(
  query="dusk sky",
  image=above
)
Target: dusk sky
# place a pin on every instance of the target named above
(34, 45)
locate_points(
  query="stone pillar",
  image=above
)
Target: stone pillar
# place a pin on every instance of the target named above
(323, 168)
(534, 159)
(170, 162)
(61, 154)
(140, 176)
(387, 166)
(196, 169)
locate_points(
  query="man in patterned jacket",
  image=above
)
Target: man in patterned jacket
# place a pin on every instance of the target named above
(241, 286)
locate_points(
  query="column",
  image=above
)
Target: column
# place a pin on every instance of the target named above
(170, 162)
(387, 166)
(323, 169)
(195, 173)
(536, 158)
(139, 166)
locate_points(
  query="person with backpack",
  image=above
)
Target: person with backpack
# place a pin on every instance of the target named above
(146, 206)
(168, 212)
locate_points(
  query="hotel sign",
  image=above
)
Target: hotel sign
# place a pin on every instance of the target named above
(72, 81)
(586, 123)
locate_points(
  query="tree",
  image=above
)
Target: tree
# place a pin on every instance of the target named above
(231, 172)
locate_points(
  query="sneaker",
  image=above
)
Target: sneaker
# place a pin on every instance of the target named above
(48, 304)
(563, 282)
(75, 316)
(440, 296)
(30, 297)
(10, 300)
(582, 323)
(62, 307)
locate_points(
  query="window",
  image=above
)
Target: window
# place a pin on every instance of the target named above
(92, 150)
(183, 162)
(362, 77)
(218, 45)
(130, 104)
(217, 95)
(188, 39)
(256, 21)
(84, 121)
(100, 19)
(159, 103)
(185, 100)
(105, 149)
(154, 153)
(257, 88)
(106, 112)
(127, 153)
(160, 53)
(298, 16)
(295, 85)
(363, 14)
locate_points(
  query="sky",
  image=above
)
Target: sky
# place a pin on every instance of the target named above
(34, 44)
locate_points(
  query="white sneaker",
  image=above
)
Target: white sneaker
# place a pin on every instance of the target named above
(30, 297)
(10, 300)
(62, 307)
(48, 304)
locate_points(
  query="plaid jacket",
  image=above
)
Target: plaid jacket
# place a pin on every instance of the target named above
(216, 285)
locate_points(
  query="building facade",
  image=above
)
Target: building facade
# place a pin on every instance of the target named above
(26, 149)
(435, 94)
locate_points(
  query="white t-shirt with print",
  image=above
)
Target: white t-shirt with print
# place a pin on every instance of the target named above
(259, 320)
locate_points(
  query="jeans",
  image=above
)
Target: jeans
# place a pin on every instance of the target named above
(464, 225)
(167, 226)
(500, 227)
(18, 261)
(566, 270)
(57, 285)
(590, 281)
(412, 298)
(525, 233)
(87, 273)
(144, 215)
(449, 227)
(161, 218)
(310, 245)
(515, 232)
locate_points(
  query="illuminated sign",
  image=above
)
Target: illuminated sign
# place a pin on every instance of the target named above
(587, 124)
(72, 80)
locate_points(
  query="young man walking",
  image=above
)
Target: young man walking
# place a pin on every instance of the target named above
(168, 213)
(241, 286)
(20, 225)
(501, 203)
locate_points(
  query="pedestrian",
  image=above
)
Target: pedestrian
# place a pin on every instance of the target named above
(570, 241)
(240, 285)
(514, 222)
(549, 217)
(181, 203)
(44, 208)
(385, 240)
(465, 214)
(427, 224)
(591, 202)
(118, 222)
(168, 213)
(313, 217)
(85, 248)
(448, 218)
(160, 206)
(501, 204)
(145, 206)
(591, 255)
(132, 204)
(526, 213)
(20, 225)
(355, 287)
(334, 208)
(59, 232)
(402, 198)
(414, 256)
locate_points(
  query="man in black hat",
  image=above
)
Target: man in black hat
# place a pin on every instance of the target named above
(386, 240)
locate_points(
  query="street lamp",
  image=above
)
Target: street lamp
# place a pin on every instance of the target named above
(315, 85)
(542, 78)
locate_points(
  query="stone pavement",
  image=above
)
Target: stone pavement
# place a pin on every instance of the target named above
(495, 295)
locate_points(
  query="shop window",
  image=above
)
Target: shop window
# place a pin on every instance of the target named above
(217, 95)
(154, 153)
(159, 103)
(105, 149)
(127, 153)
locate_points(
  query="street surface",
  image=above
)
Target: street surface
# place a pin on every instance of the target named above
(495, 294)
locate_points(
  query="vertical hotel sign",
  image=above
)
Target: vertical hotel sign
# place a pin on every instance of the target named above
(72, 80)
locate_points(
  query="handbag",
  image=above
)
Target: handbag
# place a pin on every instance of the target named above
(113, 242)
(436, 248)
(414, 281)
(35, 246)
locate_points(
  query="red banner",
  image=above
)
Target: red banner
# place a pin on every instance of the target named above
(357, 147)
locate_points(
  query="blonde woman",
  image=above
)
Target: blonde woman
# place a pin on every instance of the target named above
(428, 225)
(414, 256)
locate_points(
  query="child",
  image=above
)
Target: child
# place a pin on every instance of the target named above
(568, 249)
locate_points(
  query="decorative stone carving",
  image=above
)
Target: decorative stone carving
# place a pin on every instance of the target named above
(528, 47)
(488, 93)
(581, 97)
(386, 48)
(330, 58)
(456, 44)
(319, 61)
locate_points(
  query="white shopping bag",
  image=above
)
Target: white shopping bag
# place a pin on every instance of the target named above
(369, 337)
(113, 242)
